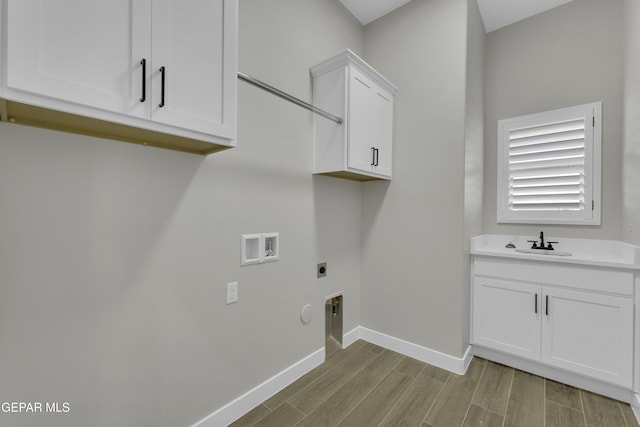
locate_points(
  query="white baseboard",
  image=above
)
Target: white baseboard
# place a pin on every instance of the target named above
(424, 354)
(351, 337)
(243, 404)
(635, 406)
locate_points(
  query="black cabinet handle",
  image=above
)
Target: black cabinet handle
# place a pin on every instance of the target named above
(162, 89)
(377, 156)
(144, 80)
(373, 156)
(546, 304)
(536, 306)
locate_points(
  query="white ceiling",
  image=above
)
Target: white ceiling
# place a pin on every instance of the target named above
(500, 13)
(495, 13)
(370, 10)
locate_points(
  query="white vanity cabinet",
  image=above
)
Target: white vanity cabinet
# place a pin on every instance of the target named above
(161, 72)
(361, 147)
(576, 318)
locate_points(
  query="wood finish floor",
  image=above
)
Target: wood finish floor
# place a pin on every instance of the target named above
(366, 385)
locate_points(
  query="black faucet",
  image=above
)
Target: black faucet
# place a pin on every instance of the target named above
(535, 245)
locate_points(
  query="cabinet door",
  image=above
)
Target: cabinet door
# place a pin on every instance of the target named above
(84, 51)
(589, 334)
(382, 127)
(370, 126)
(506, 316)
(194, 43)
(361, 136)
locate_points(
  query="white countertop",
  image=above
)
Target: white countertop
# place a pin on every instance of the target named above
(603, 253)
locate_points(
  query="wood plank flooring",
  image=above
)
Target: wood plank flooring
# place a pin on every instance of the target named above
(366, 385)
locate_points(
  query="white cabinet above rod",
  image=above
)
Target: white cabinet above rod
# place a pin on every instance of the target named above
(360, 148)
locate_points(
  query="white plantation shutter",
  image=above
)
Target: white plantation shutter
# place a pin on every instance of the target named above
(546, 167)
(548, 164)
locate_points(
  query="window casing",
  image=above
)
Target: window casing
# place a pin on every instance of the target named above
(549, 167)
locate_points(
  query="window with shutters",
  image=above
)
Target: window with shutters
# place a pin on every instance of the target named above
(549, 167)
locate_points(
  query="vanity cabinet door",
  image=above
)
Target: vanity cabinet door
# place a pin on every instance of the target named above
(86, 52)
(506, 316)
(589, 334)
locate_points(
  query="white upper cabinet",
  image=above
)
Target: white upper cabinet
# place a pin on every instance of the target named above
(161, 72)
(361, 147)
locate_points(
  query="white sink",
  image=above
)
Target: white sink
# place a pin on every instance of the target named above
(543, 252)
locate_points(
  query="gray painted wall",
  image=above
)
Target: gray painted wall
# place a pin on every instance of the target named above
(114, 257)
(631, 157)
(570, 55)
(413, 281)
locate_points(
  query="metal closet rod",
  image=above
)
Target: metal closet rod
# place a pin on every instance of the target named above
(284, 95)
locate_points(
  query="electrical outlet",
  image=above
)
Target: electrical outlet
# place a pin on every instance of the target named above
(322, 269)
(232, 292)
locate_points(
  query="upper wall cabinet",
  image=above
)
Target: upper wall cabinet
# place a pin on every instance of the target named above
(361, 147)
(158, 72)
